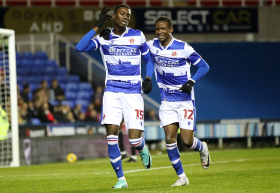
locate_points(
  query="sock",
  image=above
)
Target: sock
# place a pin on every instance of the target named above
(174, 156)
(197, 145)
(138, 143)
(115, 155)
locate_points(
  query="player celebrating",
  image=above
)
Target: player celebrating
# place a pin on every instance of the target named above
(172, 59)
(121, 52)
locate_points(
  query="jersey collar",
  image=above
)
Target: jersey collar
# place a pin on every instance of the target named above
(170, 43)
(125, 32)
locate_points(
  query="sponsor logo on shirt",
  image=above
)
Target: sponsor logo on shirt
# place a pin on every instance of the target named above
(166, 62)
(123, 51)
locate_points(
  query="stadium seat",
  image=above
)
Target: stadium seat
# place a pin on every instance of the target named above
(252, 2)
(62, 71)
(35, 71)
(50, 70)
(84, 86)
(89, 2)
(269, 2)
(61, 79)
(136, 3)
(20, 87)
(84, 95)
(70, 95)
(34, 79)
(33, 87)
(20, 80)
(112, 2)
(65, 3)
(27, 63)
(62, 85)
(18, 56)
(41, 55)
(70, 103)
(51, 63)
(49, 79)
(39, 62)
(54, 103)
(30, 96)
(73, 78)
(71, 86)
(35, 121)
(27, 55)
(232, 2)
(16, 2)
(23, 71)
(83, 103)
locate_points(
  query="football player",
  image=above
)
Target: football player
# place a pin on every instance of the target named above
(172, 60)
(121, 49)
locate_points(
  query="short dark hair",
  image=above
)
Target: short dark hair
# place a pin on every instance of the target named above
(166, 19)
(122, 5)
(25, 86)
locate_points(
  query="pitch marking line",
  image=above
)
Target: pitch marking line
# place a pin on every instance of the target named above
(131, 171)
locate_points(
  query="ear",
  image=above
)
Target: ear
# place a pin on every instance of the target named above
(171, 30)
(114, 16)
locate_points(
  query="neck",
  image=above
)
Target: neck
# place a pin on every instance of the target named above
(118, 31)
(166, 42)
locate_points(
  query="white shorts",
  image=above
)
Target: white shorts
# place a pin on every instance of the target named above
(122, 105)
(182, 112)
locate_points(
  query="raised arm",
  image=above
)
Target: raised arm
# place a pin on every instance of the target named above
(86, 43)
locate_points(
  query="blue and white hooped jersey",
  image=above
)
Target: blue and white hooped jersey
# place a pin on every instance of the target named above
(121, 56)
(172, 68)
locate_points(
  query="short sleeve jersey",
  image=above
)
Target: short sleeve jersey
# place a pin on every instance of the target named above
(172, 67)
(121, 56)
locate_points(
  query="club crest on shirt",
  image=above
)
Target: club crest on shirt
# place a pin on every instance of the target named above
(174, 54)
(157, 51)
(112, 41)
(131, 40)
(104, 116)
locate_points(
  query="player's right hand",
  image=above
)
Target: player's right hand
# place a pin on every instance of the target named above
(103, 16)
(147, 86)
(105, 33)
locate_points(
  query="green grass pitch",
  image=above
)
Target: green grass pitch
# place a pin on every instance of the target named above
(248, 170)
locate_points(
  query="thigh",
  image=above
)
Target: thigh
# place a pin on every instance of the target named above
(187, 115)
(111, 109)
(168, 113)
(133, 111)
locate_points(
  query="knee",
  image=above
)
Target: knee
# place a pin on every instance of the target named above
(187, 142)
(170, 139)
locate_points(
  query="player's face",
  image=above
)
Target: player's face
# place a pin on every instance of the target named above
(163, 32)
(122, 17)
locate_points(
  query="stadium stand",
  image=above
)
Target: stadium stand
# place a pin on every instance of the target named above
(32, 69)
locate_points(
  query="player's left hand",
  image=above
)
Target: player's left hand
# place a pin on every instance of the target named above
(147, 86)
(105, 33)
(103, 16)
(187, 87)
